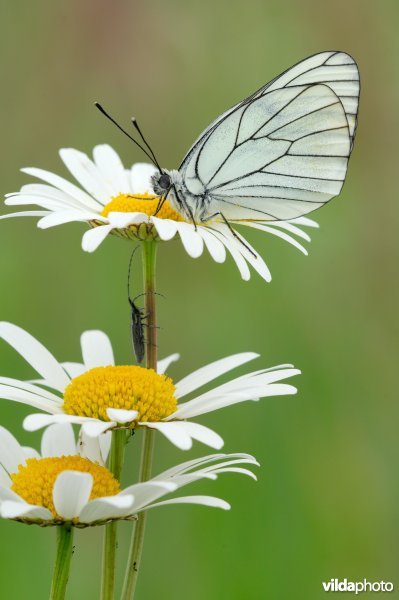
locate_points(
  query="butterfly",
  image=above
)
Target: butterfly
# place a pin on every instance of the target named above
(277, 155)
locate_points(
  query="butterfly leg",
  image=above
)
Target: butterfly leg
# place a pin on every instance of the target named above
(161, 202)
(188, 209)
(234, 233)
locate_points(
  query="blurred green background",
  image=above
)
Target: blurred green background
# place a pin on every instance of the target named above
(326, 504)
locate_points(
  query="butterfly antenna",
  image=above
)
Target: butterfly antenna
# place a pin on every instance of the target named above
(104, 112)
(136, 126)
(129, 271)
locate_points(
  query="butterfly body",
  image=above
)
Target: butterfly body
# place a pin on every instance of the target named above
(191, 206)
(277, 155)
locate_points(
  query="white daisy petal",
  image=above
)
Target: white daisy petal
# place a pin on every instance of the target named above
(204, 460)
(38, 421)
(210, 501)
(186, 479)
(257, 263)
(105, 445)
(202, 434)
(214, 246)
(65, 186)
(92, 238)
(191, 240)
(235, 254)
(11, 453)
(26, 213)
(232, 459)
(304, 221)
(96, 349)
(166, 228)
(5, 480)
(67, 216)
(140, 178)
(40, 193)
(189, 464)
(19, 199)
(236, 470)
(261, 378)
(7, 494)
(112, 169)
(120, 220)
(249, 253)
(86, 173)
(148, 491)
(120, 415)
(29, 386)
(164, 364)
(95, 449)
(71, 493)
(96, 428)
(19, 395)
(58, 440)
(292, 229)
(173, 432)
(280, 234)
(46, 202)
(30, 452)
(110, 507)
(215, 369)
(73, 369)
(197, 407)
(22, 510)
(35, 354)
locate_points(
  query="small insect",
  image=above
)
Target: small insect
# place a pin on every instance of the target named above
(277, 155)
(137, 321)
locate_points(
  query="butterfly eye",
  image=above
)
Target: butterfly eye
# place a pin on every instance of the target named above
(164, 181)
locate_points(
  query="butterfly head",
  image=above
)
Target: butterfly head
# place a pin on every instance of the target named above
(161, 182)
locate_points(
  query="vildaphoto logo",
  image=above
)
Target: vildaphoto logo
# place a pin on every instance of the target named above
(335, 585)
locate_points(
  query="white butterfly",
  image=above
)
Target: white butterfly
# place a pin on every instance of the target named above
(277, 155)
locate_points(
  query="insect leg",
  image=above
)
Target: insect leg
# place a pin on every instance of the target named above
(186, 206)
(152, 293)
(161, 202)
(234, 233)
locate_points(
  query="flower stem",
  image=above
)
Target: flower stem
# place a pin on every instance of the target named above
(110, 536)
(62, 562)
(136, 547)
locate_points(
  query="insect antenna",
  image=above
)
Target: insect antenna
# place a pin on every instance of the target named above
(129, 273)
(136, 126)
(106, 114)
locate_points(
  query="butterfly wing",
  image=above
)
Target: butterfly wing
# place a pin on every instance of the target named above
(283, 151)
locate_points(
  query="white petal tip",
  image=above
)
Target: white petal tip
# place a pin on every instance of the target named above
(122, 416)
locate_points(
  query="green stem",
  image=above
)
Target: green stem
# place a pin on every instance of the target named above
(136, 547)
(62, 562)
(110, 536)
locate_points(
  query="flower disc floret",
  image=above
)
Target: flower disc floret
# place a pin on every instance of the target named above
(35, 480)
(123, 387)
(143, 203)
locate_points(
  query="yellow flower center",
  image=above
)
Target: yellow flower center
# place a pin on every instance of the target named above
(126, 387)
(145, 203)
(34, 481)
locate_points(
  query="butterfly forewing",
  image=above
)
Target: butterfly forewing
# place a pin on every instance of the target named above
(283, 151)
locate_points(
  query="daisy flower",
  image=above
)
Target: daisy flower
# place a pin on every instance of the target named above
(121, 201)
(68, 482)
(100, 395)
